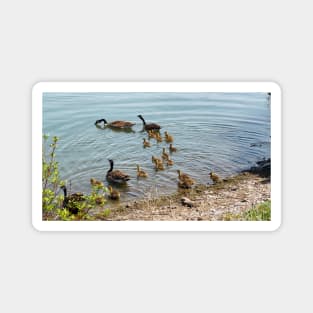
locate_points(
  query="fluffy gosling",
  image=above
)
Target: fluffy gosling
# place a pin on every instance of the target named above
(140, 172)
(172, 149)
(114, 194)
(214, 177)
(146, 143)
(168, 138)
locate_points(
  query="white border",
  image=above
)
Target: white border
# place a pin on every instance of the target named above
(42, 87)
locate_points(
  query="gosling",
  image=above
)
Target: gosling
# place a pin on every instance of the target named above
(146, 143)
(165, 155)
(170, 162)
(96, 183)
(114, 194)
(159, 165)
(214, 177)
(172, 149)
(168, 138)
(141, 173)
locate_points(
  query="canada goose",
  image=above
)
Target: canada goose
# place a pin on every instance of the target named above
(170, 162)
(70, 202)
(184, 177)
(146, 143)
(165, 155)
(96, 183)
(168, 138)
(214, 177)
(114, 194)
(140, 172)
(116, 124)
(172, 149)
(116, 176)
(150, 126)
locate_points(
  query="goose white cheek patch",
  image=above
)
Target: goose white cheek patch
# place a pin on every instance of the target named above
(156, 156)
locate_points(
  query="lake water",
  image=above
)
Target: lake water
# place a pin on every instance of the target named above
(222, 132)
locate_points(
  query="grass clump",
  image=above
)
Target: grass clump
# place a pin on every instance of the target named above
(260, 213)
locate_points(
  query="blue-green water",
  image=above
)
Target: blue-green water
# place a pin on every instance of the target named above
(212, 131)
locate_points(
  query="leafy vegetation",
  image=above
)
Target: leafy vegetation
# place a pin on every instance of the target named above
(53, 198)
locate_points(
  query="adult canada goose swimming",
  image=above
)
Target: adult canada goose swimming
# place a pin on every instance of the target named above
(116, 176)
(71, 202)
(150, 126)
(116, 124)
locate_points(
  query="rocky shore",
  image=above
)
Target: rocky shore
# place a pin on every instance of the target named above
(225, 200)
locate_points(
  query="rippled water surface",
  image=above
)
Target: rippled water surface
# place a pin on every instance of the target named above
(223, 132)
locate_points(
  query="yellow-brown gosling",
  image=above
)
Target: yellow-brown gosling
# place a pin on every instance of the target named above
(168, 138)
(158, 137)
(172, 149)
(151, 134)
(140, 172)
(100, 200)
(114, 194)
(184, 177)
(170, 162)
(155, 160)
(214, 177)
(186, 184)
(159, 165)
(96, 183)
(165, 155)
(146, 143)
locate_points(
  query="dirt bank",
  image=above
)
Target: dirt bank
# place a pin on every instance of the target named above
(231, 197)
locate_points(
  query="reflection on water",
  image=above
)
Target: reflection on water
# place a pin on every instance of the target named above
(222, 132)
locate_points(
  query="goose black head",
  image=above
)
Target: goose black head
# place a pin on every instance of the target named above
(99, 121)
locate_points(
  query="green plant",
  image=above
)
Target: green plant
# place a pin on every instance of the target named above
(51, 181)
(260, 213)
(53, 200)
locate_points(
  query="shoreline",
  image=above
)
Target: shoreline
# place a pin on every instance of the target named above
(229, 199)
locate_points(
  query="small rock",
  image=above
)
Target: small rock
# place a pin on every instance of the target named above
(187, 202)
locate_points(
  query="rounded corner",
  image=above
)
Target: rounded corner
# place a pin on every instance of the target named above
(276, 226)
(276, 87)
(37, 87)
(36, 226)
